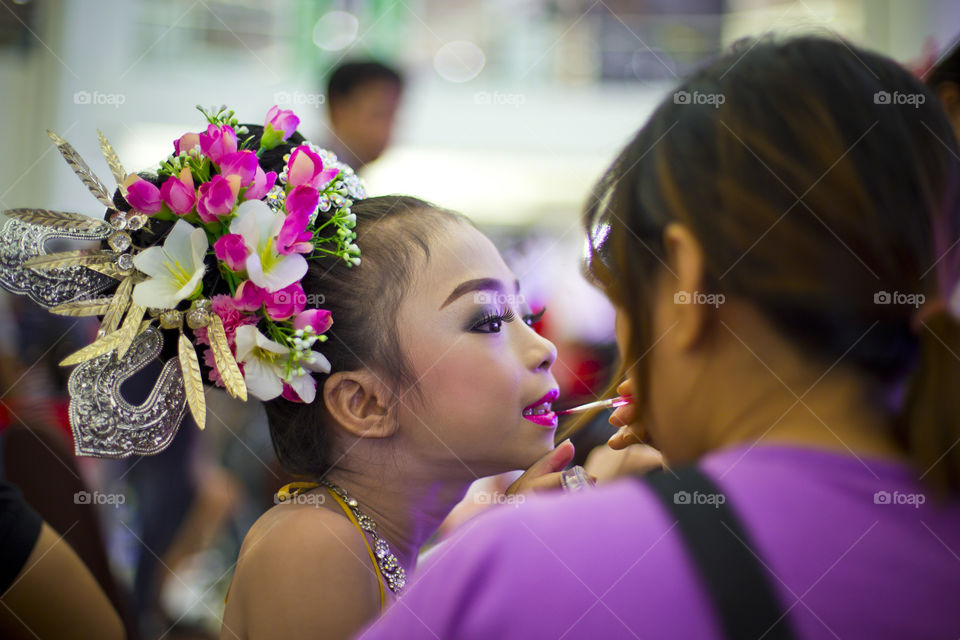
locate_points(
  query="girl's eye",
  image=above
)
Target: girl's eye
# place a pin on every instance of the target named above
(533, 318)
(493, 322)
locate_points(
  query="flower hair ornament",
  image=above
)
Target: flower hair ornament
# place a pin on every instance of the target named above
(213, 257)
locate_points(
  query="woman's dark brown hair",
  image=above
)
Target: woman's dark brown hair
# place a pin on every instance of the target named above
(821, 181)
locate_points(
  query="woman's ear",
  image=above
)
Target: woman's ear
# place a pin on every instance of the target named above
(360, 403)
(685, 300)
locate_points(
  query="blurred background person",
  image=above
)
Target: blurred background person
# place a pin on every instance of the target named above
(362, 102)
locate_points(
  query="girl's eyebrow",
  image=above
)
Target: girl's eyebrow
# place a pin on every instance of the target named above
(478, 284)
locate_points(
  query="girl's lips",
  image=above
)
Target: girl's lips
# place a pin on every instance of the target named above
(539, 412)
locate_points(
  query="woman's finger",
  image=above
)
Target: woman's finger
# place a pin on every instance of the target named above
(550, 463)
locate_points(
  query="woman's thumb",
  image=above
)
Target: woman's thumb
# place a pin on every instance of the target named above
(554, 460)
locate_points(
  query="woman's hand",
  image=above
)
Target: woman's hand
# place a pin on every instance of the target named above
(544, 474)
(606, 464)
(625, 417)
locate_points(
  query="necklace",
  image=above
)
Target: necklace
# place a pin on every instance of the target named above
(387, 562)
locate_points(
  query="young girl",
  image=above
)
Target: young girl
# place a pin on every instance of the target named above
(435, 379)
(780, 241)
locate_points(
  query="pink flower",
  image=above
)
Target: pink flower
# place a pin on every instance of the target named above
(178, 193)
(285, 302)
(262, 183)
(218, 141)
(302, 201)
(232, 250)
(231, 316)
(217, 197)
(249, 297)
(240, 163)
(185, 143)
(142, 195)
(306, 167)
(290, 393)
(293, 236)
(317, 319)
(280, 125)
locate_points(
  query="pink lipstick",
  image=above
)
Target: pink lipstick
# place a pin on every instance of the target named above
(539, 412)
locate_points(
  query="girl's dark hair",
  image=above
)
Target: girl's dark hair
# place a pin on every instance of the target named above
(821, 182)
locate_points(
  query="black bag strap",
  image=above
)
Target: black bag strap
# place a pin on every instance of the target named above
(737, 582)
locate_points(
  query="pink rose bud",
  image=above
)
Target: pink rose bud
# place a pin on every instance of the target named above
(305, 167)
(185, 143)
(317, 319)
(142, 195)
(231, 250)
(280, 125)
(216, 198)
(218, 141)
(249, 297)
(283, 303)
(178, 194)
(261, 185)
(240, 163)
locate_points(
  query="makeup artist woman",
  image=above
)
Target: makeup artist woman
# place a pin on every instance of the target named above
(785, 267)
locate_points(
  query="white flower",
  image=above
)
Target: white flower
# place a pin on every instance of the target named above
(175, 269)
(264, 361)
(266, 267)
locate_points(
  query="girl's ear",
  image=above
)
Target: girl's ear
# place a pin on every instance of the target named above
(360, 403)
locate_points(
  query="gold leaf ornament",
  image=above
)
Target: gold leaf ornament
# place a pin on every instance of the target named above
(226, 363)
(61, 220)
(87, 177)
(192, 381)
(113, 162)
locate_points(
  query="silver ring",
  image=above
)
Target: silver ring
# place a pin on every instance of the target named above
(575, 479)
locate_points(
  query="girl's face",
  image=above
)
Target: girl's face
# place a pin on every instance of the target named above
(478, 364)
